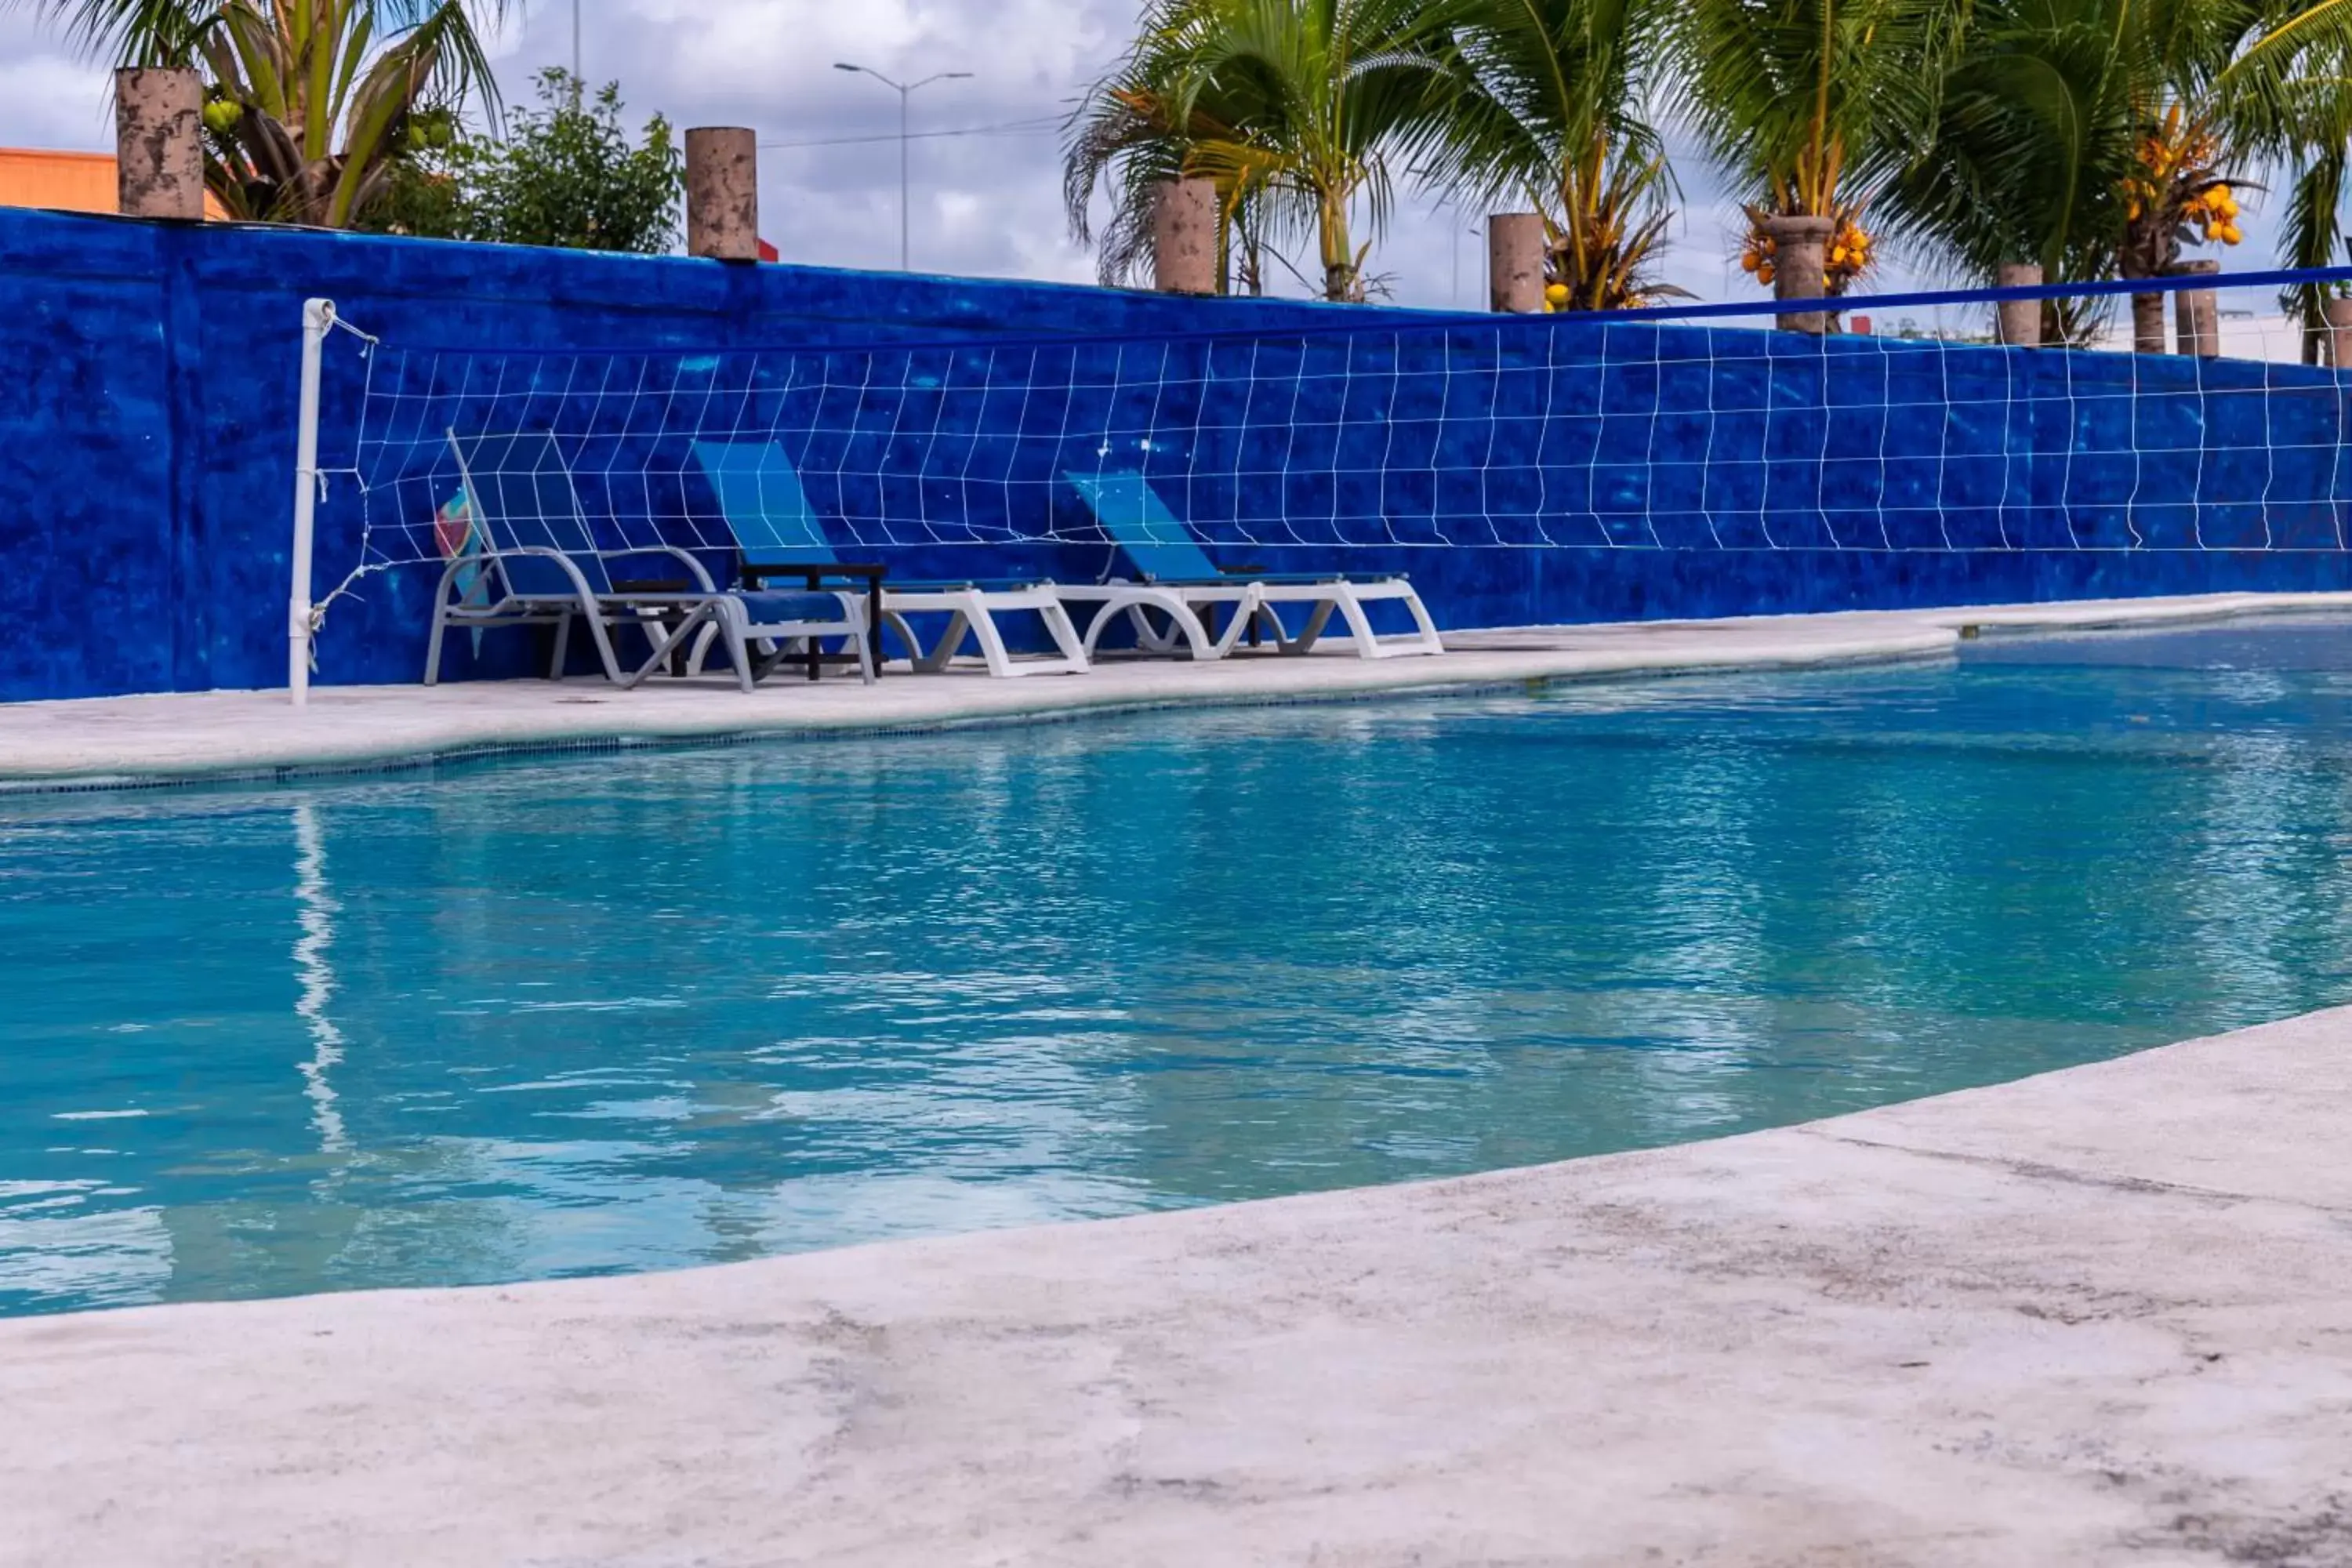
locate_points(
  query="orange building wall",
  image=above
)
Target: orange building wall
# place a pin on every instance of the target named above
(67, 181)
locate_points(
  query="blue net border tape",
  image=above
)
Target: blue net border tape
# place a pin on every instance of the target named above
(2176, 284)
(1362, 322)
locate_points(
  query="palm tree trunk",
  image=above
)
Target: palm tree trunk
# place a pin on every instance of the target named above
(2147, 323)
(2145, 253)
(1339, 253)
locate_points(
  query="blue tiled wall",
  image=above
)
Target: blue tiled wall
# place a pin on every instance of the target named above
(148, 384)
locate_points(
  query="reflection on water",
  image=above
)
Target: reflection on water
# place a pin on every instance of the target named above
(316, 917)
(642, 1010)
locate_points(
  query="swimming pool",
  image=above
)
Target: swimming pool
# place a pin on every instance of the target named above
(619, 1011)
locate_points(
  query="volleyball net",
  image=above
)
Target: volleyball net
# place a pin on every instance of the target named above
(1905, 427)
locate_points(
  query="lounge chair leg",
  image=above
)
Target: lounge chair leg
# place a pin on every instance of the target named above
(1360, 627)
(1184, 632)
(1422, 640)
(1270, 619)
(668, 641)
(734, 632)
(1182, 623)
(892, 621)
(1147, 638)
(1242, 619)
(1319, 617)
(1065, 635)
(562, 645)
(991, 646)
(951, 642)
(701, 654)
(605, 654)
(433, 648)
(1428, 641)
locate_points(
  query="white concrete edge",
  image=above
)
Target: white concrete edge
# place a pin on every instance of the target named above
(1043, 701)
(1761, 642)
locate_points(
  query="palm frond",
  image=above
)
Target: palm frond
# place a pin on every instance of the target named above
(1295, 109)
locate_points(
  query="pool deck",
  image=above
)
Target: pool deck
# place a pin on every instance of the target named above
(192, 736)
(2103, 1316)
(2098, 1316)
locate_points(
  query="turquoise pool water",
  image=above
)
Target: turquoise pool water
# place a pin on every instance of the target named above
(625, 1011)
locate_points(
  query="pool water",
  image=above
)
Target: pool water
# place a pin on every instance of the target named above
(614, 1011)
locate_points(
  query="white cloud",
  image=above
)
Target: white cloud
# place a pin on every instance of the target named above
(49, 98)
(982, 204)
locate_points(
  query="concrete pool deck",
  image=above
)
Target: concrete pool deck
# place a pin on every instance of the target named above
(2101, 1315)
(199, 735)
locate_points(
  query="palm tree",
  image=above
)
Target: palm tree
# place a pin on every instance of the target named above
(2032, 141)
(2105, 136)
(1293, 107)
(308, 103)
(1551, 113)
(2032, 149)
(1811, 104)
(2313, 234)
(2290, 97)
(1125, 137)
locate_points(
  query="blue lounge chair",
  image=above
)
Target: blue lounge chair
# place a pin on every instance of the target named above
(535, 540)
(761, 496)
(1161, 551)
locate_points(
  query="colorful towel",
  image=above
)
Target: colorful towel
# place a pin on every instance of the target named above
(455, 531)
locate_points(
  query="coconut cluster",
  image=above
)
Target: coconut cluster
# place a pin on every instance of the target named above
(2174, 182)
(1849, 255)
(2214, 211)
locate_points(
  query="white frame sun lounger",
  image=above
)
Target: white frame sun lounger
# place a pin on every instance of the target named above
(550, 569)
(760, 494)
(1163, 554)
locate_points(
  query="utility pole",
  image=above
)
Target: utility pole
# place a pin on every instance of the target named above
(904, 90)
(1454, 296)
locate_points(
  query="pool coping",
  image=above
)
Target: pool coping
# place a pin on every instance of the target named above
(2091, 1317)
(169, 739)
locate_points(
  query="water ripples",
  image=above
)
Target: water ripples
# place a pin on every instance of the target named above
(637, 1010)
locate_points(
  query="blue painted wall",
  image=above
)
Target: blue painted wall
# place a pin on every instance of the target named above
(148, 386)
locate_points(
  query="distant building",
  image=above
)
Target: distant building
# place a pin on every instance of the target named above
(65, 182)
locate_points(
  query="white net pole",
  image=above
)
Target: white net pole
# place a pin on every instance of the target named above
(317, 315)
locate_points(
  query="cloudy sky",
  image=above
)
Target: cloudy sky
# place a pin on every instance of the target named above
(984, 204)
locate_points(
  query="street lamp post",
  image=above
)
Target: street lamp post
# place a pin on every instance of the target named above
(1454, 298)
(906, 90)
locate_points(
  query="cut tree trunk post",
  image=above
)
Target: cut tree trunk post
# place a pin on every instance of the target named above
(159, 154)
(2020, 320)
(1515, 262)
(2148, 322)
(1801, 268)
(2338, 313)
(2196, 312)
(1184, 237)
(722, 193)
